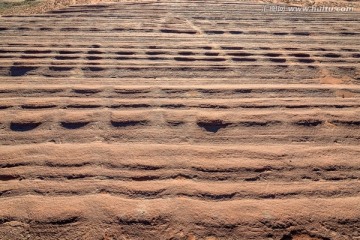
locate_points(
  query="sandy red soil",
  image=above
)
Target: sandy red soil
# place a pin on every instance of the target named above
(49, 5)
(179, 120)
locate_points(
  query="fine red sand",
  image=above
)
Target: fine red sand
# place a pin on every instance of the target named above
(43, 6)
(180, 120)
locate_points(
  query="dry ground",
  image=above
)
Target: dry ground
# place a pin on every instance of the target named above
(41, 6)
(179, 120)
